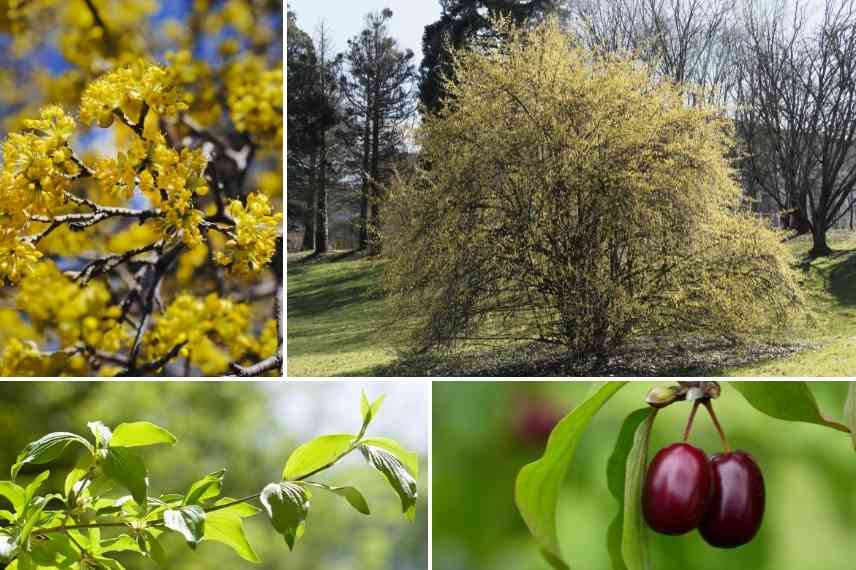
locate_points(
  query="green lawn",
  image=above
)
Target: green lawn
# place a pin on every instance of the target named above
(335, 310)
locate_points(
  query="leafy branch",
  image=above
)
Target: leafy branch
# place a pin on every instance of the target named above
(45, 529)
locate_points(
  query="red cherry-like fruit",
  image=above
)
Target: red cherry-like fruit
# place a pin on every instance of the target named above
(678, 489)
(737, 507)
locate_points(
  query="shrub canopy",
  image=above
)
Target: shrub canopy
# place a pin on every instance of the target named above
(578, 200)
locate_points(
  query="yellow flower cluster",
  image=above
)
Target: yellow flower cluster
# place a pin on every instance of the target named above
(255, 100)
(117, 177)
(256, 231)
(37, 164)
(78, 314)
(196, 75)
(214, 330)
(17, 256)
(172, 181)
(127, 89)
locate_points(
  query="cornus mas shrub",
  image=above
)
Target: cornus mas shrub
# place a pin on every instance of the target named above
(577, 200)
(161, 253)
(682, 488)
(105, 507)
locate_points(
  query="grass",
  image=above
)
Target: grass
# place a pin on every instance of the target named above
(335, 312)
(830, 284)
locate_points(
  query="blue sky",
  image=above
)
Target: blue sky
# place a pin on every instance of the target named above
(345, 19)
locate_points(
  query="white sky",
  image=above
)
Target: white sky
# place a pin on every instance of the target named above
(344, 19)
(311, 408)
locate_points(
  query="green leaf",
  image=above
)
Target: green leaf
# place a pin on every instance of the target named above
(409, 458)
(46, 449)
(615, 477)
(350, 494)
(634, 543)
(32, 488)
(101, 432)
(129, 471)
(150, 544)
(538, 484)
(369, 410)
(226, 526)
(14, 493)
(396, 473)
(287, 505)
(850, 411)
(791, 401)
(205, 489)
(121, 543)
(316, 454)
(138, 434)
(189, 521)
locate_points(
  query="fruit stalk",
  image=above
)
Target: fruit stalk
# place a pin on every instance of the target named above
(689, 427)
(709, 406)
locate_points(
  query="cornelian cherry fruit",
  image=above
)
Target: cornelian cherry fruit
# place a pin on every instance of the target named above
(678, 489)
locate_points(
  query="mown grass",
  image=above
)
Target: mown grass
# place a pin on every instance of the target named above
(830, 285)
(334, 310)
(335, 319)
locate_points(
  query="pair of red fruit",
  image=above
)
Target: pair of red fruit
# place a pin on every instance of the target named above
(722, 496)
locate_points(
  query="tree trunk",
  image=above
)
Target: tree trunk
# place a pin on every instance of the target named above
(311, 215)
(818, 234)
(321, 229)
(366, 185)
(374, 244)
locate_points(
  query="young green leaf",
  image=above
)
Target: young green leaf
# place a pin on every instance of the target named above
(287, 505)
(46, 449)
(396, 473)
(138, 434)
(615, 477)
(408, 458)
(226, 526)
(129, 471)
(791, 401)
(33, 486)
(538, 484)
(850, 411)
(350, 494)
(14, 493)
(316, 454)
(189, 521)
(205, 489)
(369, 410)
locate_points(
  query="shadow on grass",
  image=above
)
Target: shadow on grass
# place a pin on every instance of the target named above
(840, 278)
(653, 357)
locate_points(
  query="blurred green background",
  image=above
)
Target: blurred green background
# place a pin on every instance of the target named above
(484, 433)
(248, 428)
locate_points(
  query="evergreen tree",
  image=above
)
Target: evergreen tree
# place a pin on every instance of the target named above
(464, 23)
(379, 100)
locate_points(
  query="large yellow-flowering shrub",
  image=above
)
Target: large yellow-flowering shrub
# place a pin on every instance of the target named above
(576, 200)
(140, 189)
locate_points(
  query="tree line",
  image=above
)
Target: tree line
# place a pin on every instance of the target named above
(782, 71)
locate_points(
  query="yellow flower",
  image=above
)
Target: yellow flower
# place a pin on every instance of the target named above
(256, 231)
(37, 166)
(127, 88)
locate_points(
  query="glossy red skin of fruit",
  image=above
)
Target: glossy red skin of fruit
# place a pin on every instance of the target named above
(737, 508)
(678, 489)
